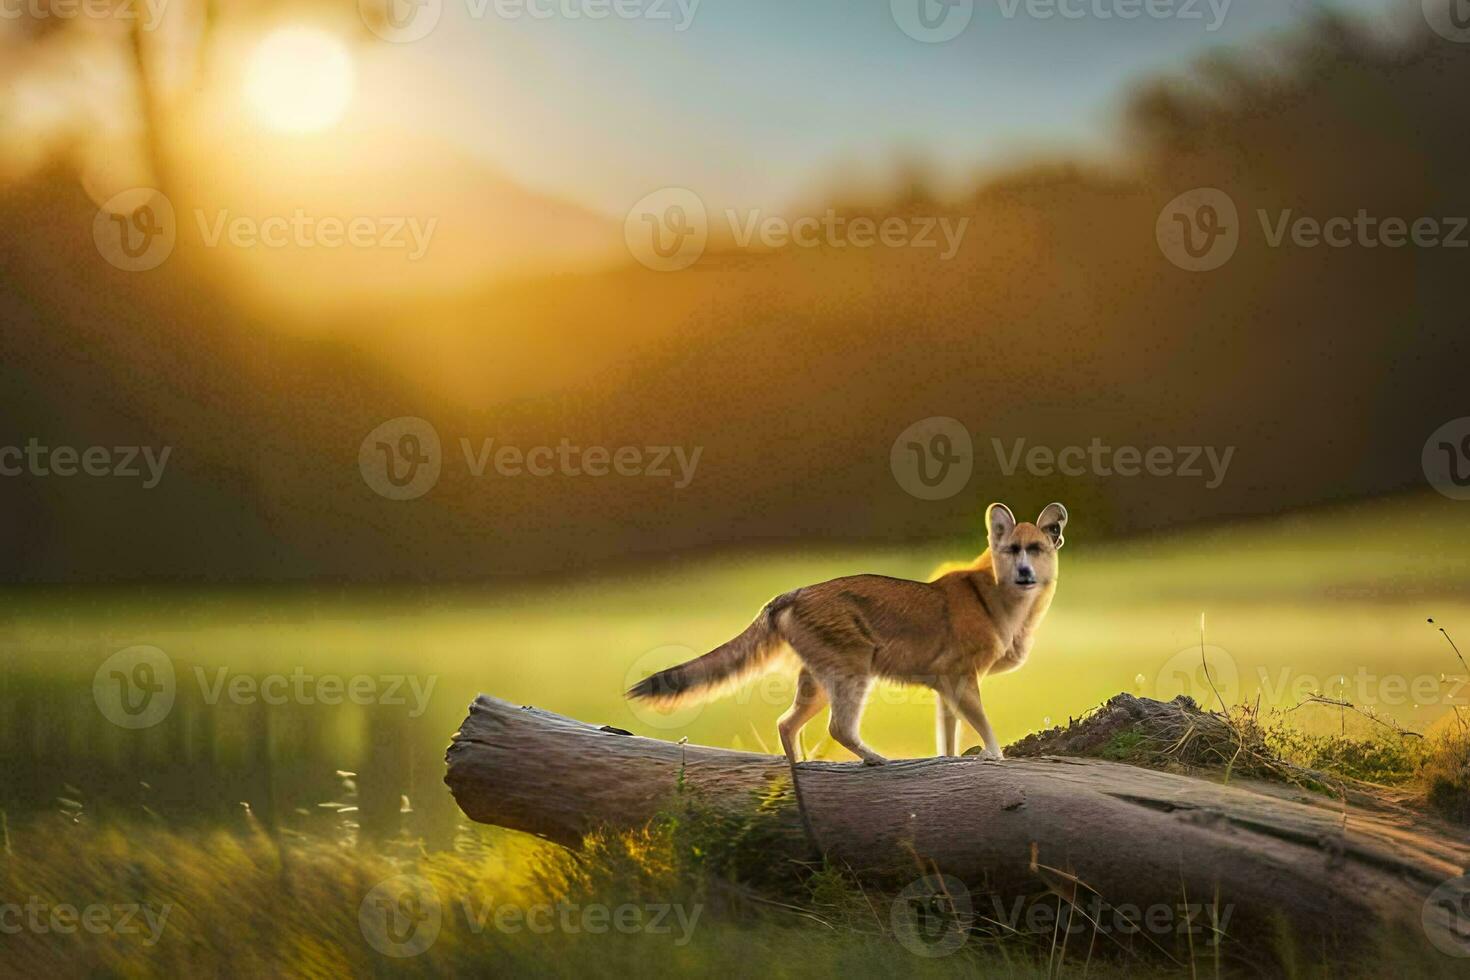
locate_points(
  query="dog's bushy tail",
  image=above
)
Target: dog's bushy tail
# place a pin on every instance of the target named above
(721, 670)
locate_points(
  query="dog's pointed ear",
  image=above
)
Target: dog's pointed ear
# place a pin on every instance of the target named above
(1053, 521)
(999, 521)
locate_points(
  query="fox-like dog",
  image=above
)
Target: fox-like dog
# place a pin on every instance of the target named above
(947, 634)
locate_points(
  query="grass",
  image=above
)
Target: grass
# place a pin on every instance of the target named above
(1303, 609)
(240, 903)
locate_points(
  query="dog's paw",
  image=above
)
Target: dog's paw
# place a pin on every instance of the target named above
(874, 760)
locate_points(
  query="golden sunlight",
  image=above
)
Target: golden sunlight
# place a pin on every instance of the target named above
(299, 80)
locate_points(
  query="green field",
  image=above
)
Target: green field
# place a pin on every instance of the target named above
(95, 810)
(1293, 604)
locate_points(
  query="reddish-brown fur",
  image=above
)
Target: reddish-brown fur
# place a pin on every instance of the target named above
(947, 634)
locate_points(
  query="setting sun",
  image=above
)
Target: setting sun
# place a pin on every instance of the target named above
(299, 80)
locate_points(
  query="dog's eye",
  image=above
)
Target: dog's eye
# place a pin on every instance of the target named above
(1014, 549)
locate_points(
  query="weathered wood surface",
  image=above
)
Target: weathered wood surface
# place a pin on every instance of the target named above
(1015, 828)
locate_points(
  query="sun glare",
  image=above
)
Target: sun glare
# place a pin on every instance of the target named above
(299, 80)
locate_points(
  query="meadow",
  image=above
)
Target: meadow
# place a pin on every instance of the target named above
(1333, 601)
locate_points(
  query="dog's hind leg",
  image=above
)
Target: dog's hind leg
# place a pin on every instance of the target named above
(848, 695)
(810, 699)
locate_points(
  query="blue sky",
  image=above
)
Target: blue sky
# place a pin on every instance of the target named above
(758, 100)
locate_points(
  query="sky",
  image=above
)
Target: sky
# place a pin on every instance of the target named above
(758, 102)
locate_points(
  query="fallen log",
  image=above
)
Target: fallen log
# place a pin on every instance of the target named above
(1335, 876)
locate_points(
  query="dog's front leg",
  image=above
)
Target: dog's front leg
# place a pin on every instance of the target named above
(966, 701)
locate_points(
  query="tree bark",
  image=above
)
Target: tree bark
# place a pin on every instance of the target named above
(1336, 876)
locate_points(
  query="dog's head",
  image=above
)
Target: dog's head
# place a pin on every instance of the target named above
(1024, 556)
